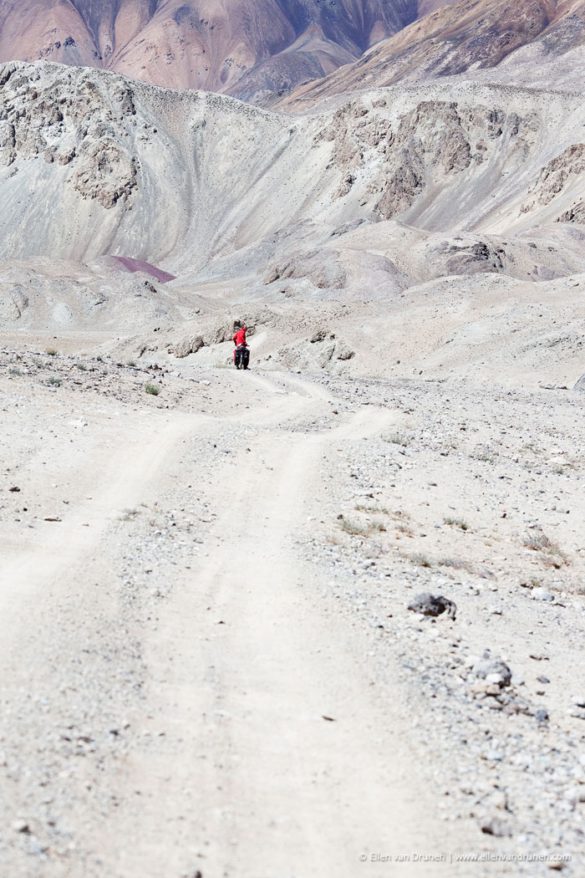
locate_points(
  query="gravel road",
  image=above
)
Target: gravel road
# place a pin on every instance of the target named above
(208, 665)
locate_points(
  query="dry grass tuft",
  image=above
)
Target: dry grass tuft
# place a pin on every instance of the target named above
(551, 552)
(359, 529)
(456, 564)
(456, 522)
(421, 560)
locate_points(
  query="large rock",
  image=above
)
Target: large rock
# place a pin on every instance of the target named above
(433, 605)
(580, 385)
(187, 346)
(493, 670)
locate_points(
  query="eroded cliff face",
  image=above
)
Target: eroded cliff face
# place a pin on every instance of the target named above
(427, 147)
(556, 177)
(84, 130)
(251, 48)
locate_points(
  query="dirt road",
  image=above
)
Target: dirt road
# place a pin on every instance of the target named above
(181, 694)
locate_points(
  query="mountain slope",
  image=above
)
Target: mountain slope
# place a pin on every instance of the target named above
(250, 48)
(464, 200)
(525, 42)
(203, 182)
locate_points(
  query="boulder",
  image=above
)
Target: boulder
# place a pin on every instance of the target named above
(493, 670)
(343, 352)
(186, 347)
(433, 605)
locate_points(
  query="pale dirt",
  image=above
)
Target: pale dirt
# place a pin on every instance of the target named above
(235, 665)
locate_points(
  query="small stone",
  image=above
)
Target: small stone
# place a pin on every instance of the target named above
(541, 715)
(496, 827)
(36, 849)
(575, 795)
(482, 688)
(500, 801)
(21, 826)
(541, 594)
(493, 671)
(496, 679)
(494, 756)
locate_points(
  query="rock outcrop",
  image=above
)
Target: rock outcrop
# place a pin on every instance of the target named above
(555, 177)
(83, 130)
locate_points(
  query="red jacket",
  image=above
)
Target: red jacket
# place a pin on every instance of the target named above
(240, 336)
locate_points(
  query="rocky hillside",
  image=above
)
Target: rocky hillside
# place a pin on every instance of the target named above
(528, 42)
(91, 164)
(249, 48)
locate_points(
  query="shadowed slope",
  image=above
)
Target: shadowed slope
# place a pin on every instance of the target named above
(251, 48)
(490, 38)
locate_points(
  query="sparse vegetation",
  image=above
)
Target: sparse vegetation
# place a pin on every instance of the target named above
(152, 389)
(52, 352)
(551, 552)
(538, 541)
(372, 510)
(398, 439)
(485, 455)
(357, 529)
(352, 528)
(400, 514)
(421, 560)
(54, 382)
(456, 564)
(129, 514)
(456, 522)
(405, 530)
(531, 448)
(533, 582)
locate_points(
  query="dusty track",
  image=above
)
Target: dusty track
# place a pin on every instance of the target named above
(231, 727)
